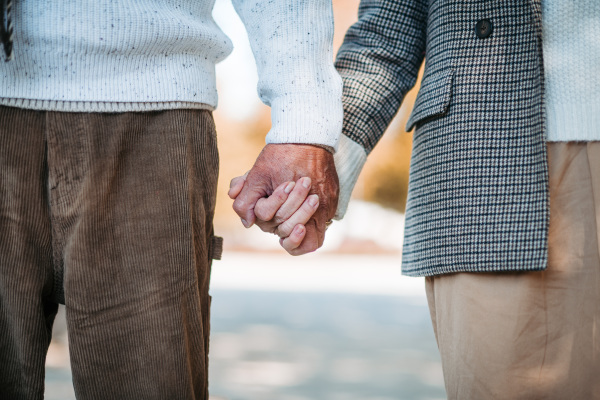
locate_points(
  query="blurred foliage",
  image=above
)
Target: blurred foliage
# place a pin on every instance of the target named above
(385, 178)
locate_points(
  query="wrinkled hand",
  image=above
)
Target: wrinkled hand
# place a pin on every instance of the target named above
(289, 203)
(275, 198)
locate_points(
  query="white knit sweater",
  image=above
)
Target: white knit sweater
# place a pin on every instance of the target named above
(144, 55)
(571, 48)
(571, 45)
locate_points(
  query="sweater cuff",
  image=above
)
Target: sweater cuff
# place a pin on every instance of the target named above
(306, 119)
(349, 161)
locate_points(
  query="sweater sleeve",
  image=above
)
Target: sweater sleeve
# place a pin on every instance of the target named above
(349, 161)
(292, 42)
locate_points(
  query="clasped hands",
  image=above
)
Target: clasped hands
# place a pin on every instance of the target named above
(291, 191)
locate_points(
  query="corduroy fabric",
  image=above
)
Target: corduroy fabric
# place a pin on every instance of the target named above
(478, 196)
(112, 213)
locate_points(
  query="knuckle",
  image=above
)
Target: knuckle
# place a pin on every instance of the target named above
(239, 206)
(284, 231)
(278, 219)
(261, 214)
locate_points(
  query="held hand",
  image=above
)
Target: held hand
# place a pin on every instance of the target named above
(285, 212)
(261, 195)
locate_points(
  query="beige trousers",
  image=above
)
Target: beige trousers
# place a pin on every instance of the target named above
(531, 335)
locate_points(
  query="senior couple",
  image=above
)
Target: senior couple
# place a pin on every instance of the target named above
(108, 171)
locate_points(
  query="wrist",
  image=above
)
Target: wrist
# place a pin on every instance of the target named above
(315, 120)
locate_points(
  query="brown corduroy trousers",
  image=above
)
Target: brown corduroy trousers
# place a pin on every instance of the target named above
(531, 335)
(112, 215)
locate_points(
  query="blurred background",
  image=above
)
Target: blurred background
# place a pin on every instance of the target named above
(341, 323)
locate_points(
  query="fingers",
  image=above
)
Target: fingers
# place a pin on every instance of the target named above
(246, 201)
(309, 244)
(293, 241)
(294, 201)
(267, 206)
(301, 216)
(236, 185)
(282, 205)
(280, 163)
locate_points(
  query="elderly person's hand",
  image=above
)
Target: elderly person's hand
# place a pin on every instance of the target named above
(274, 193)
(285, 212)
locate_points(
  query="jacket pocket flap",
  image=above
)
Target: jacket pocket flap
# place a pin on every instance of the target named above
(433, 98)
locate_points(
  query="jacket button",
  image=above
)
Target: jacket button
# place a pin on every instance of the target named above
(483, 28)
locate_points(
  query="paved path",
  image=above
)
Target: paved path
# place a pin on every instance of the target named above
(331, 327)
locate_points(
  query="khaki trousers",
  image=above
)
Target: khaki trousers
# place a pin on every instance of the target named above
(531, 335)
(112, 215)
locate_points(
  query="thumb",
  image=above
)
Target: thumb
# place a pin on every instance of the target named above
(246, 201)
(236, 185)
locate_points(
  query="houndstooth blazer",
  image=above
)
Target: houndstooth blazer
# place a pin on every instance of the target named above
(478, 188)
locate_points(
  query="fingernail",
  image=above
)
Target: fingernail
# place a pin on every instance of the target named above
(289, 187)
(245, 223)
(313, 200)
(306, 182)
(299, 229)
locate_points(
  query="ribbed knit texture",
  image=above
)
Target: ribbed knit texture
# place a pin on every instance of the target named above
(143, 55)
(571, 43)
(99, 106)
(349, 161)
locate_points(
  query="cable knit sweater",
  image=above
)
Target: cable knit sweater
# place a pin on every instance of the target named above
(571, 48)
(143, 55)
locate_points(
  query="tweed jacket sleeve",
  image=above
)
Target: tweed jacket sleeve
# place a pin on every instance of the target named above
(379, 62)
